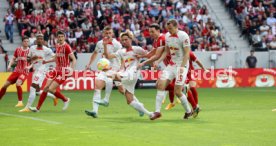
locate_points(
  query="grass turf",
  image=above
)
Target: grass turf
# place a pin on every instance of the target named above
(230, 117)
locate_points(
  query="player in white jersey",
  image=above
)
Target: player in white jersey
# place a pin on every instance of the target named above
(178, 45)
(37, 54)
(101, 79)
(129, 76)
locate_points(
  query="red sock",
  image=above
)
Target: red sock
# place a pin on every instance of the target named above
(170, 88)
(193, 89)
(41, 99)
(2, 92)
(191, 99)
(60, 96)
(19, 93)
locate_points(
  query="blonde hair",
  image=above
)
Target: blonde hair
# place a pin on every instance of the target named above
(127, 33)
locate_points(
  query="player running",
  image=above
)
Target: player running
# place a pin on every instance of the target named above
(59, 75)
(102, 80)
(178, 45)
(20, 73)
(129, 76)
(37, 54)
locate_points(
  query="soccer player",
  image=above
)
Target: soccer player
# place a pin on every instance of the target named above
(20, 73)
(57, 76)
(101, 79)
(155, 54)
(37, 54)
(129, 76)
(190, 81)
(178, 45)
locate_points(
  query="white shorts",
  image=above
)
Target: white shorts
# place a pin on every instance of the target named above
(103, 76)
(129, 79)
(172, 72)
(38, 77)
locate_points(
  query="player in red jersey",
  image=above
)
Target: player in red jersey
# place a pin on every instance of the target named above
(155, 54)
(57, 76)
(191, 91)
(20, 73)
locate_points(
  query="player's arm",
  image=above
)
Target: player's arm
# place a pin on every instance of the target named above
(53, 59)
(148, 55)
(73, 59)
(186, 56)
(163, 56)
(122, 67)
(106, 53)
(92, 58)
(11, 63)
(201, 65)
(155, 57)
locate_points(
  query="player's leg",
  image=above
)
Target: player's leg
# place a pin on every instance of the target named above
(194, 91)
(181, 75)
(136, 104)
(42, 96)
(31, 99)
(170, 89)
(99, 85)
(19, 82)
(4, 89)
(11, 80)
(53, 89)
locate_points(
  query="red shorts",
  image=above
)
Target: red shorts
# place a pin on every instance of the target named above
(15, 76)
(56, 76)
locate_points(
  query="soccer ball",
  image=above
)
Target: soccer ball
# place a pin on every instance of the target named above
(103, 64)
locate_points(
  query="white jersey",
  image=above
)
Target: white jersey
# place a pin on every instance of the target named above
(113, 47)
(42, 54)
(176, 44)
(129, 57)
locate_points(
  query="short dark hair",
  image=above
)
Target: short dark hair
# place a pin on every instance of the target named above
(60, 33)
(252, 51)
(155, 25)
(25, 38)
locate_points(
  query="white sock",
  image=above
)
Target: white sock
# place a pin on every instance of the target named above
(96, 97)
(139, 107)
(185, 103)
(134, 98)
(31, 97)
(108, 89)
(159, 98)
(48, 94)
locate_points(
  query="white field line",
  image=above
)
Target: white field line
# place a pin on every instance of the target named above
(31, 118)
(251, 90)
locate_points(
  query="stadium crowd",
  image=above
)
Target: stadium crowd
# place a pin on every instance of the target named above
(83, 21)
(257, 21)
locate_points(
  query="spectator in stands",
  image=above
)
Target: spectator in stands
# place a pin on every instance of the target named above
(86, 25)
(257, 39)
(272, 44)
(8, 20)
(251, 60)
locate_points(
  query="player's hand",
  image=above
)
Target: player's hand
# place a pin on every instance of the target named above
(29, 67)
(139, 56)
(140, 65)
(206, 70)
(87, 67)
(106, 40)
(44, 61)
(155, 64)
(9, 68)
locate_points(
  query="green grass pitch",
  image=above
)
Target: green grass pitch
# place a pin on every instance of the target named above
(229, 117)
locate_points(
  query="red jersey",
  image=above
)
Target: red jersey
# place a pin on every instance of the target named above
(62, 56)
(21, 56)
(161, 42)
(192, 59)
